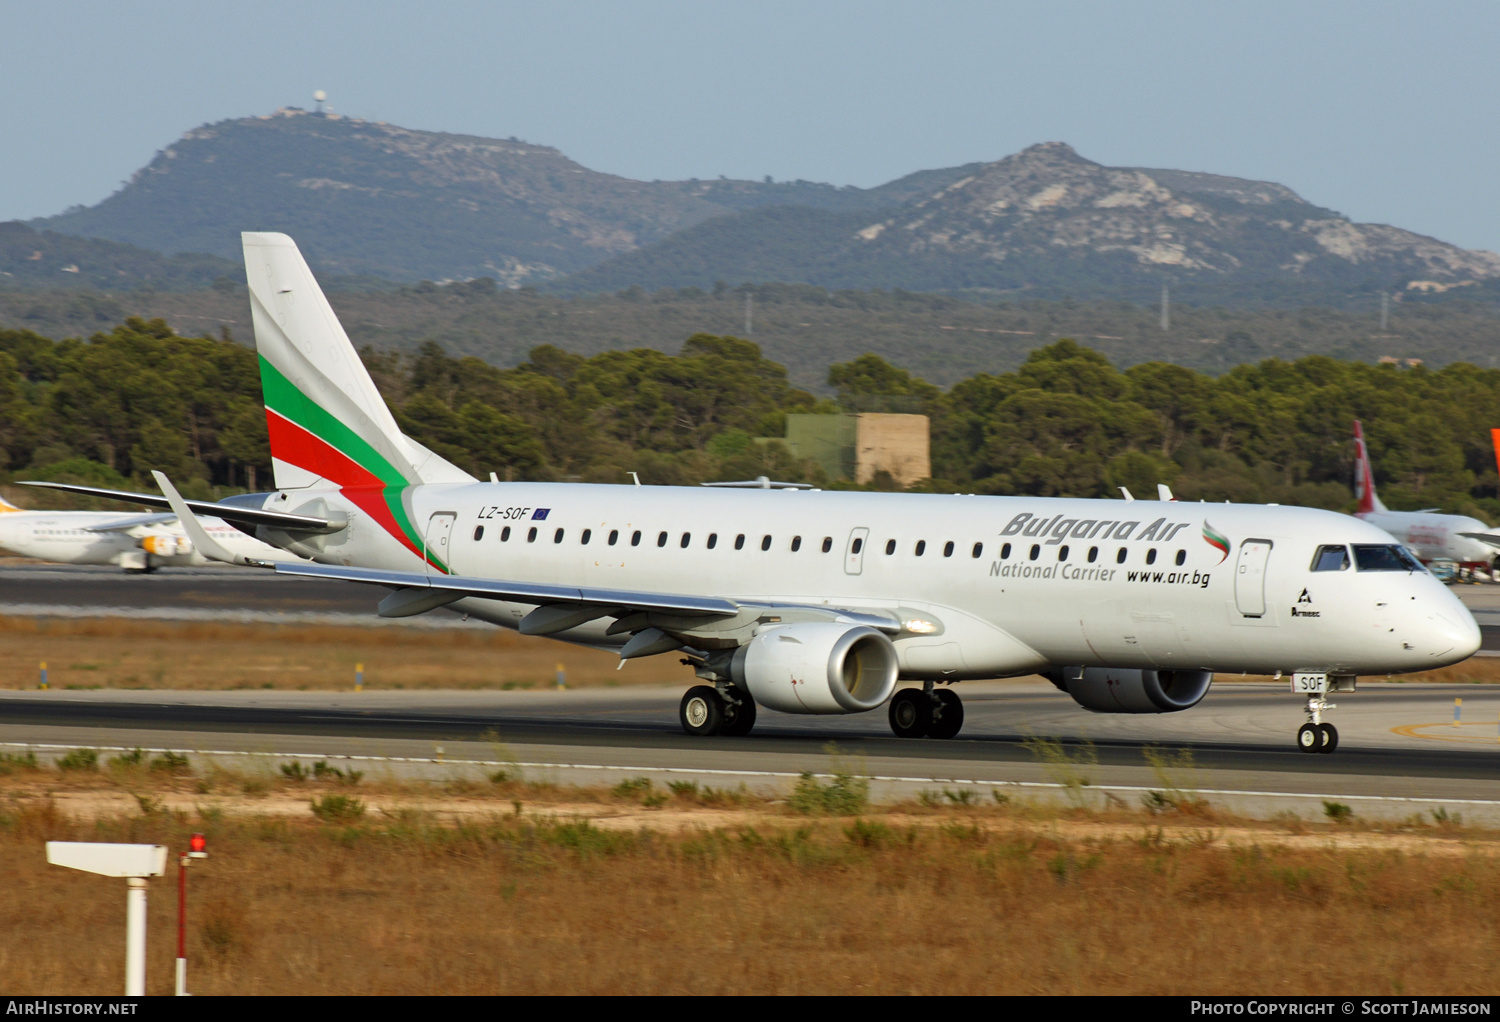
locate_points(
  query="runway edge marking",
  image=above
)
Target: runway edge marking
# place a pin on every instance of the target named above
(887, 778)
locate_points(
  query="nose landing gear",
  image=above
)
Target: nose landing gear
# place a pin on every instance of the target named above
(1316, 736)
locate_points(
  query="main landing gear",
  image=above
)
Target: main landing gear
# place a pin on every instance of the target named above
(928, 712)
(1316, 736)
(705, 710)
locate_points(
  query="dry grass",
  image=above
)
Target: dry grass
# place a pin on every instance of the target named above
(115, 653)
(514, 889)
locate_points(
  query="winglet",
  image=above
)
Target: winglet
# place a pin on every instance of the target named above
(206, 544)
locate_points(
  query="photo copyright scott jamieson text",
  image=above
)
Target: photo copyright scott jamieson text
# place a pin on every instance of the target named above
(1392, 1006)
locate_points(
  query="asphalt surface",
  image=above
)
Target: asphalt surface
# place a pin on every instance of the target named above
(1397, 742)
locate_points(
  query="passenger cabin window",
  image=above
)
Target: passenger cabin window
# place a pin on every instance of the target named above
(1036, 551)
(1181, 558)
(557, 536)
(765, 542)
(1062, 552)
(890, 547)
(827, 544)
(1120, 556)
(713, 540)
(978, 549)
(948, 549)
(1151, 556)
(531, 534)
(614, 536)
(1093, 554)
(661, 539)
(478, 533)
(739, 541)
(921, 547)
(505, 534)
(856, 546)
(796, 543)
(1005, 552)
(1379, 557)
(588, 534)
(1331, 558)
(687, 537)
(635, 538)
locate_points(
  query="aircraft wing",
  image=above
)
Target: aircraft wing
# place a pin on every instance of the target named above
(126, 524)
(228, 512)
(520, 592)
(416, 593)
(1491, 538)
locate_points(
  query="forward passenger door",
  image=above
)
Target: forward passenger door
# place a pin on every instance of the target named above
(1250, 577)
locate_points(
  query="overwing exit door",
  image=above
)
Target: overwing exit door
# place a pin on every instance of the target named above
(1250, 577)
(854, 554)
(439, 541)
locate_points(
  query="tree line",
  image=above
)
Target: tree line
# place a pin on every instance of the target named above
(109, 409)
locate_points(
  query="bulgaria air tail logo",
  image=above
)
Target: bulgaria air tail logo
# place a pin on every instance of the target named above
(1215, 540)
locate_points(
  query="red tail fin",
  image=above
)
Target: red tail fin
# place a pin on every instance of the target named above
(1495, 439)
(1364, 476)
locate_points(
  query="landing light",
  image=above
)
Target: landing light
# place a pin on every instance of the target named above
(917, 626)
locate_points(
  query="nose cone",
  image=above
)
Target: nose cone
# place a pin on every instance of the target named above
(1452, 635)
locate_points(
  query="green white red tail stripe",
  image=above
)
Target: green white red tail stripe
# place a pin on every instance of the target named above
(1216, 540)
(305, 435)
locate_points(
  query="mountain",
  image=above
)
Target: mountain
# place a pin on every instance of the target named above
(371, 200)
(1046, 222)
(368, 198)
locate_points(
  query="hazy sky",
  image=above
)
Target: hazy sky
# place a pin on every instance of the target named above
(1383, 111)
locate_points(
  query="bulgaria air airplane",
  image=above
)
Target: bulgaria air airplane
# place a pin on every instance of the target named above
(822, 603)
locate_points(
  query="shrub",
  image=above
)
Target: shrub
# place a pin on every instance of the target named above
(1337, 811)
(337, 808)
(845, 795)
(170, 762)
(294, 771)
(127, 760)
(79, 759)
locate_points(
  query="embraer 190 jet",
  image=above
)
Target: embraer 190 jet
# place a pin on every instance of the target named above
(817, 602)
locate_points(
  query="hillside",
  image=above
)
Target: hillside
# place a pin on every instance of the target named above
(1046, 222)
(46, 259)
(938, 337)
(367, 198)
(373, 201)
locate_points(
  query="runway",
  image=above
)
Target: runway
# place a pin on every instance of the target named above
(1240, 740)
(1399, 753)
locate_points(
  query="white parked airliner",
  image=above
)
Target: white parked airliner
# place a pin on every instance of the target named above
(133, 541)
(821, 603)
(1432, 536)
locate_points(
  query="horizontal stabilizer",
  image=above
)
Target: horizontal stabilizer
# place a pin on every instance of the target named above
(227, 512)
(762, 483)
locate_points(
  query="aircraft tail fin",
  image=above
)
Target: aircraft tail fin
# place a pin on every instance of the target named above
(1495, 441)
(1364, 475)
(6, 507)
(328, 424)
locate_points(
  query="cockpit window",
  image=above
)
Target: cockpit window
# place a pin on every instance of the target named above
(1331, 558)
(1378, 557)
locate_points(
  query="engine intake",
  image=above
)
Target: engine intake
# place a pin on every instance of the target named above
(817, 667)
(1122, 690)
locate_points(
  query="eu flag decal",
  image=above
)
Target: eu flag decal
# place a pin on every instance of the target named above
(540, 514)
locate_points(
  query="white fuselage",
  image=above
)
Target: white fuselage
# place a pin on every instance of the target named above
(1096, 583)
(1435, 537)
(91, 537)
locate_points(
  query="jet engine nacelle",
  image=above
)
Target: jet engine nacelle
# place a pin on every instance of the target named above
(817, 667)
(1119, 690)
(167, 546)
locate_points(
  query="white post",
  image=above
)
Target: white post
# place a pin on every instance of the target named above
(182, 977)
(135, 937)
